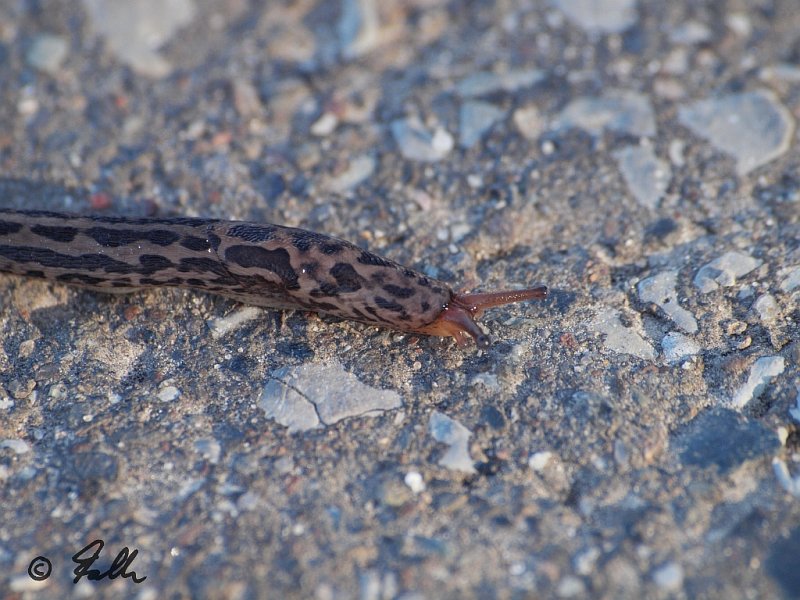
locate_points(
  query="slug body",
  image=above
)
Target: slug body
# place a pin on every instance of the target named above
(262, 264)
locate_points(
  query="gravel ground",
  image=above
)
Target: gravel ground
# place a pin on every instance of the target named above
(635, 435)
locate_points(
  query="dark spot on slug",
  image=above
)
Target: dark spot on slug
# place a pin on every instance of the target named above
(425, 306)
(202, 265)
(374, 313)
(114, 238)
(309, 268)
(34, 273)
(409, 273)
(347, 278)
(214, 240)
(277, 261)
(325, 289)
(388, 304)
(80, 278)
(368, 258)
(55, 232)
(331, 248)
(121, 284)
(302, 242)
(326, 306)
(399, 292)
(161, 283)
(196, 282)
(196, 244)
(50, 259)
(252, 233)
(7, 227)
(153, 263)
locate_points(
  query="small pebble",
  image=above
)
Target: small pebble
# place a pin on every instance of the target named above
(724, 271)
(617, 110)
(417, 143)
(669, 577)
(476, 119)
(449, 431)
(677, 346)
(415, 482)
(660, 290)
(169, 393)
(538, 460)
(47, 52)
(764, 370)
(767, 308)
(599, 16)
(647, 175)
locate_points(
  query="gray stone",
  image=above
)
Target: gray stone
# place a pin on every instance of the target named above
(724, 271)
(417, 143)
(690, 33)
(359, 169)
(753, 127)
(767, 308)
(476, 119)
(619, 338)
(47, 52)
(599, 16)
(617, 110)
(449, 431)
(761, 373)
(791, 279)
(359, 27)
(647, 175)
(305, 396)
(669, 577)
(485, 82)
(136, 29)
(660, 290)
(677, 346)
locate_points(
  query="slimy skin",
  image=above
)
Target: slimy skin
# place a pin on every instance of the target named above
(261, 264)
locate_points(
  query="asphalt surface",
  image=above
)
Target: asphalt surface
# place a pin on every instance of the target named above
(634, 435)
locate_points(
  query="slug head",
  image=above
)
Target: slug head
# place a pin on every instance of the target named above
(457, 318)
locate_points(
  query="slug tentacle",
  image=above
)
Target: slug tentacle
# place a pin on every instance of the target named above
(457, 318)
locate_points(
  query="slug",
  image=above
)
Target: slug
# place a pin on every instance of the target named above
(262, 264)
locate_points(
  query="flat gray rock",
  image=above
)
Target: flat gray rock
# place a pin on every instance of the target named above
(449, 431)
(619, 338)
(723, 271)
(486, 82)
(314, 394)
(753, 127)
(417, 143)
(647, 175)
(476, 119)
(624, 111)
(136, 29)
(764, 370)
(599, 16)
(660, 290)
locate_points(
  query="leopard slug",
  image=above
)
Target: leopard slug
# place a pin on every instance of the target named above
(262, 264)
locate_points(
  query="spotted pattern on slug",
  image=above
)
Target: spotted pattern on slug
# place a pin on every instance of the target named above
(262, 264)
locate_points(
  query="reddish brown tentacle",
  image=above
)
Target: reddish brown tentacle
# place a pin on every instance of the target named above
(457, 318)
(477, 303)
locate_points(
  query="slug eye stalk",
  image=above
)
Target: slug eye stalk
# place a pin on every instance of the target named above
(457, 318)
